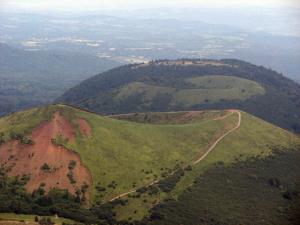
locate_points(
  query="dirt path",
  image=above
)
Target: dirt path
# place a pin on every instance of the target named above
(220, 138)
(201, 157)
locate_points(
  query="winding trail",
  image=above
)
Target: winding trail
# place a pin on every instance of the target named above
(198, 159)
(220, 138)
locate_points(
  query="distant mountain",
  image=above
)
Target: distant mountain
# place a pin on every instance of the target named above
(113, 170)
(30, 78)
(191, 84)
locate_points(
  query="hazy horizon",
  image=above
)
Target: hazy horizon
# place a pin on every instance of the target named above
(94, 5)
(263, 32)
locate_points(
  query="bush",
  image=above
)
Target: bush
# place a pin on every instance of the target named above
(141, 190)
(2, 141)
(188, 168)
(21, 138)
(275, 182)
(167, 184)
(46, 221)
(100, 188)
(72, 165)
(45, 167)
(290, 194)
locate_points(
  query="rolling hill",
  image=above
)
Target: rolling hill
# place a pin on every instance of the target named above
(32, 78)
(124, 167)
(191, 85)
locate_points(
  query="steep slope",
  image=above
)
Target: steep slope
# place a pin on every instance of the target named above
(30, 78)
(44, 162)
(125, 164)
(254, 138)
(38, 143)
(257, 191)
(190, 85)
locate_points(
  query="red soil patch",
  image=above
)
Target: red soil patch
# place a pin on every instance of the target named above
(85, 128)
(28, 159)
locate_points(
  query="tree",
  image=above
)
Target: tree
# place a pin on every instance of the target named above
(45, 167)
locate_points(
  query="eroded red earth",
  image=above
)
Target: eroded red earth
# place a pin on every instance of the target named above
(84, 127)
(29, 159)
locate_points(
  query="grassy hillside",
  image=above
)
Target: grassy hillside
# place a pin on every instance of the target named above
(254, 138)
(145, 158)
(198, 90)
(134, 154)
(168, 85)
(256, 191)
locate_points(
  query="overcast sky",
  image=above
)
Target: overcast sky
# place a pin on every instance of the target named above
(128, 4)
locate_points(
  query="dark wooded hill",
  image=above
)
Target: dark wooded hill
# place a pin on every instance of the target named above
(191, 84)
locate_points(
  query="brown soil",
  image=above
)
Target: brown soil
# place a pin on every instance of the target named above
(85, 128)
(28, 159)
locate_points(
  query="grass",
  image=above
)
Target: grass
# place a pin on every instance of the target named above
(194, 91)
(136, 153)
(242, 193)
(130, 151)
(217, 88)
(171, 117)
(25, 121)
(30, 218)
(254, 137)
(149, 91)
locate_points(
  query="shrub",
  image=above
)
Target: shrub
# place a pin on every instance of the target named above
(71, 177)
(290, 194)
(27, 141)
(188, 168)
(167, 184)
(141, 190)
(275, 182)
(45, 167)
(100, 188)
(72, 165)
(2, 141)
(46, 221)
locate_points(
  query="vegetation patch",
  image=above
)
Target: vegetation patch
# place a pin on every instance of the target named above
(256, 191)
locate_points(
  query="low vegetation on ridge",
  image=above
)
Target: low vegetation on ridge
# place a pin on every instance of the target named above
(136, 161)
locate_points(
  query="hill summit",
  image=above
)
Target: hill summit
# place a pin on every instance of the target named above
(173, 85)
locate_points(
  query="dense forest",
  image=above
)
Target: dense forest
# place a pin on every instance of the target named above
(280, 104)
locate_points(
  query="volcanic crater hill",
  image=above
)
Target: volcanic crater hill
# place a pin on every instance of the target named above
(183, 85)
(135, 160)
